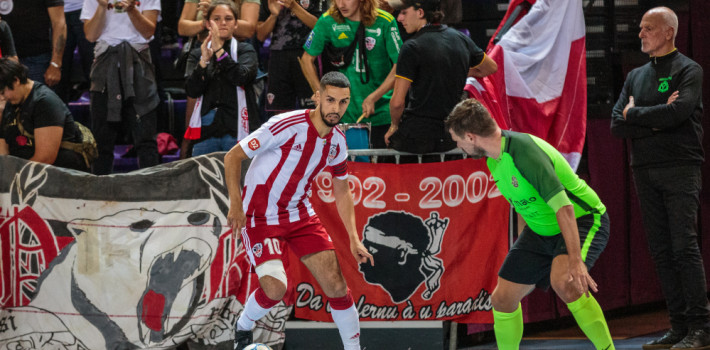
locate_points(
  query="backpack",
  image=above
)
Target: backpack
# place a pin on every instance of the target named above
(87, 148)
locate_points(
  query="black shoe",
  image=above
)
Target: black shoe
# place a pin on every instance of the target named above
(242, 339)
(669, 339)
(697, 339)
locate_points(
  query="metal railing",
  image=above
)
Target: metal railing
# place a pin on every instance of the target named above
(386, 152)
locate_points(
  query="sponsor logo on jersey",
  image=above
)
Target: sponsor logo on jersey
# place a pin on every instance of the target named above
(370, 43)
(523, 202)
(396, 39)
(342, 36)
(341, 27)
(254, 144)
(298, 148)
(257, 249)
(377, 31)
(309, 40)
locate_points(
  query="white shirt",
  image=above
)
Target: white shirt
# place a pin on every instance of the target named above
(288, 154)
(119, 27)
(72, 5)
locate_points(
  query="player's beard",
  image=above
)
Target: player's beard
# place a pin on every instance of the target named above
(477, 153)
(325, 119)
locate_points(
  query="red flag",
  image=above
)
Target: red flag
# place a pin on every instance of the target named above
(541, 83)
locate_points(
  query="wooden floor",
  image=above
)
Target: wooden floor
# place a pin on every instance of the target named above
(629, 330)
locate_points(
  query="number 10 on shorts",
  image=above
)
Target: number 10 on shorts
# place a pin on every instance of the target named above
(272, 244)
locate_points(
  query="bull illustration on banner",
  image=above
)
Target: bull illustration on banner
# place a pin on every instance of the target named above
(85, 273)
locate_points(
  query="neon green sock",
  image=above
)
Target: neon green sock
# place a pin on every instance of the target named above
(590, 318)
(508, 328)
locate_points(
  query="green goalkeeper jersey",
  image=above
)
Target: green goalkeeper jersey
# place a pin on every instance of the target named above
(382, 45)
(537, 180)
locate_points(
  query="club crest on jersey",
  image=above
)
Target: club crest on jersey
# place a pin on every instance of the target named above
(254, 144)
(370, 43)
(257, 249)
(333, 152)
(305, 3)
(514, 181)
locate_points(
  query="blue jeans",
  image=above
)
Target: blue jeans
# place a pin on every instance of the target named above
(213, 144)
(37, 65)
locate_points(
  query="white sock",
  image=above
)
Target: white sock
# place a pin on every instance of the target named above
(252, 312)
(348, 323)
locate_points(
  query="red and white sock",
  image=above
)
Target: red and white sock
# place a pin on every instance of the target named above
(346, 318)
(256, 307)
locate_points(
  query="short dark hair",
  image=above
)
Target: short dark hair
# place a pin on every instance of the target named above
(471, 116)
(334, 78)
(229, 3)
(9, 71)
(433, 16)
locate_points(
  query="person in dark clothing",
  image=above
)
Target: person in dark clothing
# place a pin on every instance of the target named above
(7, 44)
(660, 110)
(222, 82)
(35, 121)
(432, 68)
(75, 40)
(288, 22)
(39, 30)
(125, 98)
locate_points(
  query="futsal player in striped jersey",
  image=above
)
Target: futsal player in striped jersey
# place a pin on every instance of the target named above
(288, 152)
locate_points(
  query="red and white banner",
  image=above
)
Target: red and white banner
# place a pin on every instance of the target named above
(541, 83)
(438, 233)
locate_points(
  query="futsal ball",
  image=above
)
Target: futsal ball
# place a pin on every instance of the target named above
(257, 346)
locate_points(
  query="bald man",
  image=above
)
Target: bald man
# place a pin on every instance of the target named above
(660, 110)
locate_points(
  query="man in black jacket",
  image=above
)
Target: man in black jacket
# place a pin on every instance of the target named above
(660, 110)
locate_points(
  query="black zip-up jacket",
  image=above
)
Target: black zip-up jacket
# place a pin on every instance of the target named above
(662, 134)
(217, 84)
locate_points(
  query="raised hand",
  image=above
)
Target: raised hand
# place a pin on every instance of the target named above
(275, 7)
(206, 51)
(217, 42)
(203, 6)
(286, 3)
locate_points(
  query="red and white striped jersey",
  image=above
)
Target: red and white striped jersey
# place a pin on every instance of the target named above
(288, 154)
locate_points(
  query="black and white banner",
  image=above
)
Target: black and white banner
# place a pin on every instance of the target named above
(143, 260)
